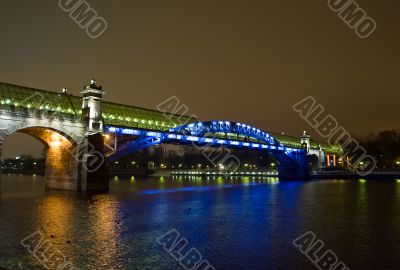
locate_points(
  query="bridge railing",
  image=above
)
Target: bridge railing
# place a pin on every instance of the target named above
(16, 110)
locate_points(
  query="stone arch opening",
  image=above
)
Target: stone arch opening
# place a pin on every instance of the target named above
(314, 164)
(61, 150)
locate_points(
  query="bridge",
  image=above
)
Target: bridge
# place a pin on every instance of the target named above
(82, 134)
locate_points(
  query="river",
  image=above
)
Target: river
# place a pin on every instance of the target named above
(241, 223)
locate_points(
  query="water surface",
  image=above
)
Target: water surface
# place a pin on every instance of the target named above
(241, 223)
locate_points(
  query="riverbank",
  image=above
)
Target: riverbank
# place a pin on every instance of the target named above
(377, 174)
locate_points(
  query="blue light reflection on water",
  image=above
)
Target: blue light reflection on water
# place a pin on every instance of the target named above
(243, 181)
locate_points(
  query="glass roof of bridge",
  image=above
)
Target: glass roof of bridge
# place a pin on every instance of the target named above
(130, 116)
(295, 142)
(15, 98)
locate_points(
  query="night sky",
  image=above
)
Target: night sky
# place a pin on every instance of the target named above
(246, 61)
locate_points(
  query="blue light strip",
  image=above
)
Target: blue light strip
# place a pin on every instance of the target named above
(200, 128)
(183, 138)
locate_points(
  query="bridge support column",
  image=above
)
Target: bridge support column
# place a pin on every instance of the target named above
(296, 169)
(61, 167)
(93, 166)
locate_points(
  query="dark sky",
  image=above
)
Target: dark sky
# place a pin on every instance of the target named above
(247, 61)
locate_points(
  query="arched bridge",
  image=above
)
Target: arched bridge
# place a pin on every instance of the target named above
(82, 133)
(214, 133)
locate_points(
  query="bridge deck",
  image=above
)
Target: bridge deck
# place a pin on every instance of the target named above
(21, 99)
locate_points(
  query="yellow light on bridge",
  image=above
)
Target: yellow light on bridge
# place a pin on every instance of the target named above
(55, 140)
(56, 144)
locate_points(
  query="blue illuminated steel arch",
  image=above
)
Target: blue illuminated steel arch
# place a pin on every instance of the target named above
(202, 133)
(202, 128)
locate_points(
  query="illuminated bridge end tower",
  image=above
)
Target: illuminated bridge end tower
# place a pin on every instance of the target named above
(94, 170)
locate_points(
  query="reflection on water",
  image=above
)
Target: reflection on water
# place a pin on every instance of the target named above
(105, 227)
(235, 222)
(54, 220)
(198, 184)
